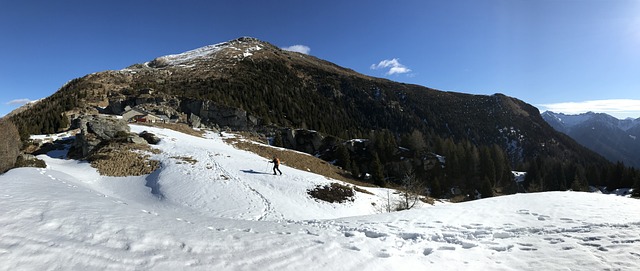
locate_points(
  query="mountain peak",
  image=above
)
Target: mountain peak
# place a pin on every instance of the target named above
(239, 49)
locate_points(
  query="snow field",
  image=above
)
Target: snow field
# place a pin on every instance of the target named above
(226, 212)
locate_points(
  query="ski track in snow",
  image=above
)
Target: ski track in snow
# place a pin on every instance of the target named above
(51, 219)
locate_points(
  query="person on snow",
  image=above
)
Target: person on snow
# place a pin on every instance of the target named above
(276, 165)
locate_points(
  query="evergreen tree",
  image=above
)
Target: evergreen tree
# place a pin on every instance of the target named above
(487, 166)
(436, 187)
(415, 142)
(485, 188)
(355, 169)
(636, 186)
(277, 139)
(377, 173)
(579, 182)
(343, 158)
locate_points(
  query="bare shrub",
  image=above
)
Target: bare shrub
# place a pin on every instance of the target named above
(332, 193)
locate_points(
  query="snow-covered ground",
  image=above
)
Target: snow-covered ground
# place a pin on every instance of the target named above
(225, 211)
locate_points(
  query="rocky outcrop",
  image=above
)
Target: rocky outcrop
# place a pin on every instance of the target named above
(211, 114)
(95, 130)
(9, 145)
(302, 140)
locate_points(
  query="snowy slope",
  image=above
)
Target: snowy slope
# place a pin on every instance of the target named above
(223, 213)
(238, 49)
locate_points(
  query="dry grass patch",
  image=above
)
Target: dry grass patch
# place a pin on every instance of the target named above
(297, 160)
(185, 159)
(124, 159)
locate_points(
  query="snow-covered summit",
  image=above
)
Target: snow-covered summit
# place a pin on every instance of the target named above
(238, 48)
(568, 121)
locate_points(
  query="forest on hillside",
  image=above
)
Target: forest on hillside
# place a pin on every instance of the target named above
(406, 125)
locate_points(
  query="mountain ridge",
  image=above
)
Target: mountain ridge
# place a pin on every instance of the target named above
(615, 139)
(252, 85)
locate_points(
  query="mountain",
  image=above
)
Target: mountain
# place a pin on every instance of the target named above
(250, 85)
(615, 139)
(212, 206)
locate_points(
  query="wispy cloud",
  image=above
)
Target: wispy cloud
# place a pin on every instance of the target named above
(303, 49)
(393, 65)
(18, 102)
(620, 108)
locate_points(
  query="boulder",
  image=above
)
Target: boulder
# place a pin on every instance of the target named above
(9, 145)
(136, 139)
(150, 138)
(94, 130)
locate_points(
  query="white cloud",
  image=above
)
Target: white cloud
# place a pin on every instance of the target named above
(619, 108)
(303, 49)
(393, 65)
(18, 102)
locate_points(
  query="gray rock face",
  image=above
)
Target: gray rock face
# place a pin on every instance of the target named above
(95, 130)
(212, 114)
(194, 120)
(302, 140)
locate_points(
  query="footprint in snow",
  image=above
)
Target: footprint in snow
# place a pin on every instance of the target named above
(149, 212)
(427, 251)
(183, 220)
(527, 247)
(217, 229)
(501, 248)
(411, 236)
(351, 247)
(119, 202)
(383, 254)
(554, 241)
(543, 217)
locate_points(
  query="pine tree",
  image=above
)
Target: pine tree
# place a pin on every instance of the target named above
(485, 188)
(487, 166)
(343, 157)
(415, 142)
(377, 173)
(636, 186)
(355, 169)
(277, 139)
(579, 182)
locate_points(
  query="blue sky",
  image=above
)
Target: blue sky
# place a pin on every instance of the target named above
(570, 56)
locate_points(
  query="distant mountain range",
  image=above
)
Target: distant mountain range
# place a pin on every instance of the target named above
(615, 139)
